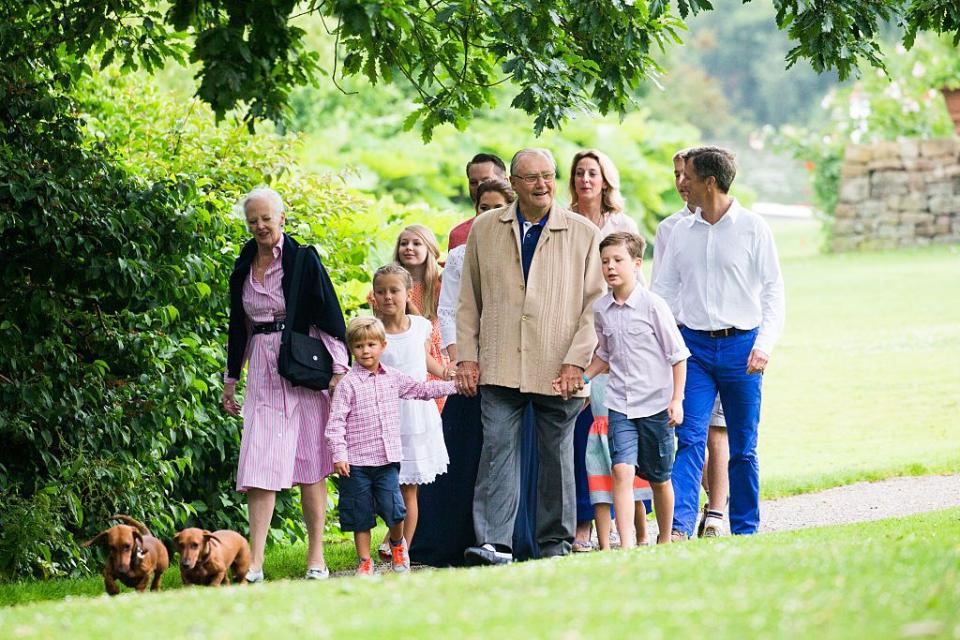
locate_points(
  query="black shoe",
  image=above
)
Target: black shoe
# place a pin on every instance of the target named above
(485, 555)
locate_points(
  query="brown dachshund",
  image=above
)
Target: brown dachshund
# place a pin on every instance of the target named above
(206, 558)
(134, 555)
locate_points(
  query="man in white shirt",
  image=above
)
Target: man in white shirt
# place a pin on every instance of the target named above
(715, 481)
(722, 263)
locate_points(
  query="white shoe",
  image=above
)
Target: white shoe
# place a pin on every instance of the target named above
(318, 573)
(253, 577)
(712, 528)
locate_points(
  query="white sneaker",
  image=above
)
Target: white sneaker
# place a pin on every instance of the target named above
(712, 528)
(253, 577)
(318, 573)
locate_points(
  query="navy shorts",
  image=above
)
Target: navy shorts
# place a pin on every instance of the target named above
(646, 443)
(371, 492)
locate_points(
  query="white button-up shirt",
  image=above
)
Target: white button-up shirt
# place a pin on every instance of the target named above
(725, 275)
(662, 239)
(660, 243)
(640, 341)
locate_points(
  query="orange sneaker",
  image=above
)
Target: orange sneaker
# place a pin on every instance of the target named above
(400, 559)
(365, 568)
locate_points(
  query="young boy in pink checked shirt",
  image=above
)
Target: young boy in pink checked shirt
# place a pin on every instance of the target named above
(363, 434)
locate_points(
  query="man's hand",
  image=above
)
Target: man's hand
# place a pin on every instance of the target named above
(342, 469)
(757, 361)
(334, 381)
(570, 380)
(468, 377)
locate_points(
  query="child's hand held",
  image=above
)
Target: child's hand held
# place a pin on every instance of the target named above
(675, 413)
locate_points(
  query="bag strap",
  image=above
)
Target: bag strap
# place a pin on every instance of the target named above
(295, 286)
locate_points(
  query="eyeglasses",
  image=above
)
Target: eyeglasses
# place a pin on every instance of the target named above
(547, 176)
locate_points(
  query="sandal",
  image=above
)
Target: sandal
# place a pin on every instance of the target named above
(583, 546)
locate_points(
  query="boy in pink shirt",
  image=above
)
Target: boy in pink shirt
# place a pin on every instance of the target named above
(363, 434)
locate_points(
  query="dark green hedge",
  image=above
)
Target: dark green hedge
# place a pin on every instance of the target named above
(116, 241)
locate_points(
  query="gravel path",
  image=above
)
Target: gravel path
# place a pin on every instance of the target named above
(860, 502)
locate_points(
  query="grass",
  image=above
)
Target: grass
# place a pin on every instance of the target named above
(863, 384)
(888, 579)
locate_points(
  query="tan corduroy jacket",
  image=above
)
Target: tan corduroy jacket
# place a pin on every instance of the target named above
(521, 334)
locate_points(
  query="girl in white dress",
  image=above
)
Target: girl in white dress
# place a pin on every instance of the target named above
(408, 350)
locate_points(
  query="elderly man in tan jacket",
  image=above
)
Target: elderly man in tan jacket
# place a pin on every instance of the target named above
(530, 275)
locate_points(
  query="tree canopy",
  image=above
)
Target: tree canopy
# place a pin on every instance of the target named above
(560, 55)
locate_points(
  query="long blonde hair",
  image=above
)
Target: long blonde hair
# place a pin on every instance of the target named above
(431, 271)
(612, 200)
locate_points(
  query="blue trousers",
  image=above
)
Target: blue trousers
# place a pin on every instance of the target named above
(719, 365)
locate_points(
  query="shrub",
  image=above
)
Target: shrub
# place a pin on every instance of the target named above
(117, 238)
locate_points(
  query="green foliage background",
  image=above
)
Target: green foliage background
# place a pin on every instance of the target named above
(118, 236)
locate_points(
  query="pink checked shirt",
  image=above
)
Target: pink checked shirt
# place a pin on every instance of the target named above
(364, 426)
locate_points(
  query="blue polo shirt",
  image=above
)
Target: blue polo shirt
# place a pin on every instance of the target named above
(529, 237)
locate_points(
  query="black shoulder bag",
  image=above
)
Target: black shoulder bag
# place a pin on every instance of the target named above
(304, 360)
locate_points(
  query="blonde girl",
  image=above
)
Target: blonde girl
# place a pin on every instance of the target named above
(417, 251)
(408, 350)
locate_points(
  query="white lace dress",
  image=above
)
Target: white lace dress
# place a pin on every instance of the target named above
(421, 430)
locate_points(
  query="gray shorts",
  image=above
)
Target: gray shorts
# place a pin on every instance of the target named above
(717, 419)
(646, 443)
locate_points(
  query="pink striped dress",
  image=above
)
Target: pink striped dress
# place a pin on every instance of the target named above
(283, 440)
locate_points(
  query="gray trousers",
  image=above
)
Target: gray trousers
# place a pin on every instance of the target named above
(497, 494)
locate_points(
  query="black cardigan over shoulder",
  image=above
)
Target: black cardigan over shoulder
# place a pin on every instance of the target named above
(318, 300)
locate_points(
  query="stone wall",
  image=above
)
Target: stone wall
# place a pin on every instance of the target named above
(898, 194)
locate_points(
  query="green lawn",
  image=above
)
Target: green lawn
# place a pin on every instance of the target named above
(891, 579)
(865, 382)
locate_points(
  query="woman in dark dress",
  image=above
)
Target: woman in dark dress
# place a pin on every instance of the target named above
(446, 506)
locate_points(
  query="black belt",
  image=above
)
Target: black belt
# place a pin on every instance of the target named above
(720, 333)
(269, 327)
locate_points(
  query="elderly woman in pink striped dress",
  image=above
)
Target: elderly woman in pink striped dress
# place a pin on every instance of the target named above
(283, 426)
